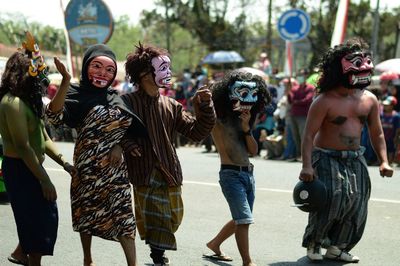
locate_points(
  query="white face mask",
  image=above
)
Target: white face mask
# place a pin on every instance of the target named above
(162, 71)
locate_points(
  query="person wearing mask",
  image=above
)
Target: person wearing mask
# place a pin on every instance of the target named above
(239, 98)
(101, 200)
(332, 152)
(153, 165)
(25, 144)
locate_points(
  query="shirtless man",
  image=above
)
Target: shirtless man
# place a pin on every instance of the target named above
(332, 153)
(238, 98)
(25, 143)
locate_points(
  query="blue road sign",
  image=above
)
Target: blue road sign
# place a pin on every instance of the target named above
(88, 21)
(294, 25)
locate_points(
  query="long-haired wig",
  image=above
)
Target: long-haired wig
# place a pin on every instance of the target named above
(330, 65)
(221, 90)
(18, 82)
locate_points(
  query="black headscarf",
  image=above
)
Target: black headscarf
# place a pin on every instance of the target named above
(82, 98)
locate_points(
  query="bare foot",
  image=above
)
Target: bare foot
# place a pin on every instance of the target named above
(250, 264)
(215, 249)
(19, 255)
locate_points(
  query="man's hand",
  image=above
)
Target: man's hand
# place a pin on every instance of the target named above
(48, 189)
(385, 170)
(244, 120)
(306, 174)
(70, 169)
(115, 155)
(203, 94)
(136, 151)
(62, 69)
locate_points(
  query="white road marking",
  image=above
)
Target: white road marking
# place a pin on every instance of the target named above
(259, 188)
(283, 191)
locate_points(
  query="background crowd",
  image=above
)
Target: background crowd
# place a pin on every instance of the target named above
(279, 129)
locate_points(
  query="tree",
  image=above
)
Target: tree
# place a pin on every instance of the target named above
(360, 22)
(205, 20)
(125, 37)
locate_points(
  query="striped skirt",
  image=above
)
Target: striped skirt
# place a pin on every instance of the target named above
(347, 181)
(159, 212)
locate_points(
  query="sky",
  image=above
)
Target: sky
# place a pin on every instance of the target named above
(48, 12)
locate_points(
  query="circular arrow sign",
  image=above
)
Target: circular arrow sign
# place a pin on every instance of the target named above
(294, 25)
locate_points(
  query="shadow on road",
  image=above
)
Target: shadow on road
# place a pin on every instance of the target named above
(306, 261)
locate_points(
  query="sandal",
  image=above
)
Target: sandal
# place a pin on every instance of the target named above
(334, 253)
(12, 259)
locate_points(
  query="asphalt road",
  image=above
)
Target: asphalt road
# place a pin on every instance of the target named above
(275, 238)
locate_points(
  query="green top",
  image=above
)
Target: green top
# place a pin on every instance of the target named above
(20, 127)
(25, 137)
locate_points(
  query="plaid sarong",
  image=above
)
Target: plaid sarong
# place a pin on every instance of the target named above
(159, 212)
(347, 181)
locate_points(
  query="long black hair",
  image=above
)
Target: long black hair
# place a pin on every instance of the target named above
(330, 65)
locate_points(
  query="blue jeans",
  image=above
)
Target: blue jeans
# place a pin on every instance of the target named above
(238, 188)
(290, 149)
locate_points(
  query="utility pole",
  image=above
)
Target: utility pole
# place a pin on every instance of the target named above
(269, 30)
(375, 33)
(167, 25)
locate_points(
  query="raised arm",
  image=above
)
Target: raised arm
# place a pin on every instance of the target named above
(57, 102)
(199, 127)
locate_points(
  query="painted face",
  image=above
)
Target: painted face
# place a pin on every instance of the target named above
(357, 68)
(162, 71)
(44, 81)
(101, 71)
(243, 95)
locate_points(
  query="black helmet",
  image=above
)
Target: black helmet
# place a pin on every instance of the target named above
(310, 196)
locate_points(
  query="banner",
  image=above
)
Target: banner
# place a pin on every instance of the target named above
(339, 32)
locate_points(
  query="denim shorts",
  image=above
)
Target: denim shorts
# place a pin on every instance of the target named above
(239, 191)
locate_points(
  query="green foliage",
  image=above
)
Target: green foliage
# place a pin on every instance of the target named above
(124, 38)
(360, 24)
(13, 30)
(186, 51)
(193, 28)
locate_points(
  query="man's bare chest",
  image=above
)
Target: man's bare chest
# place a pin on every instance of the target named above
(340, 114)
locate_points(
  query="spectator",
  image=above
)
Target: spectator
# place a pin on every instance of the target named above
(391, 125)
(300, 97)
